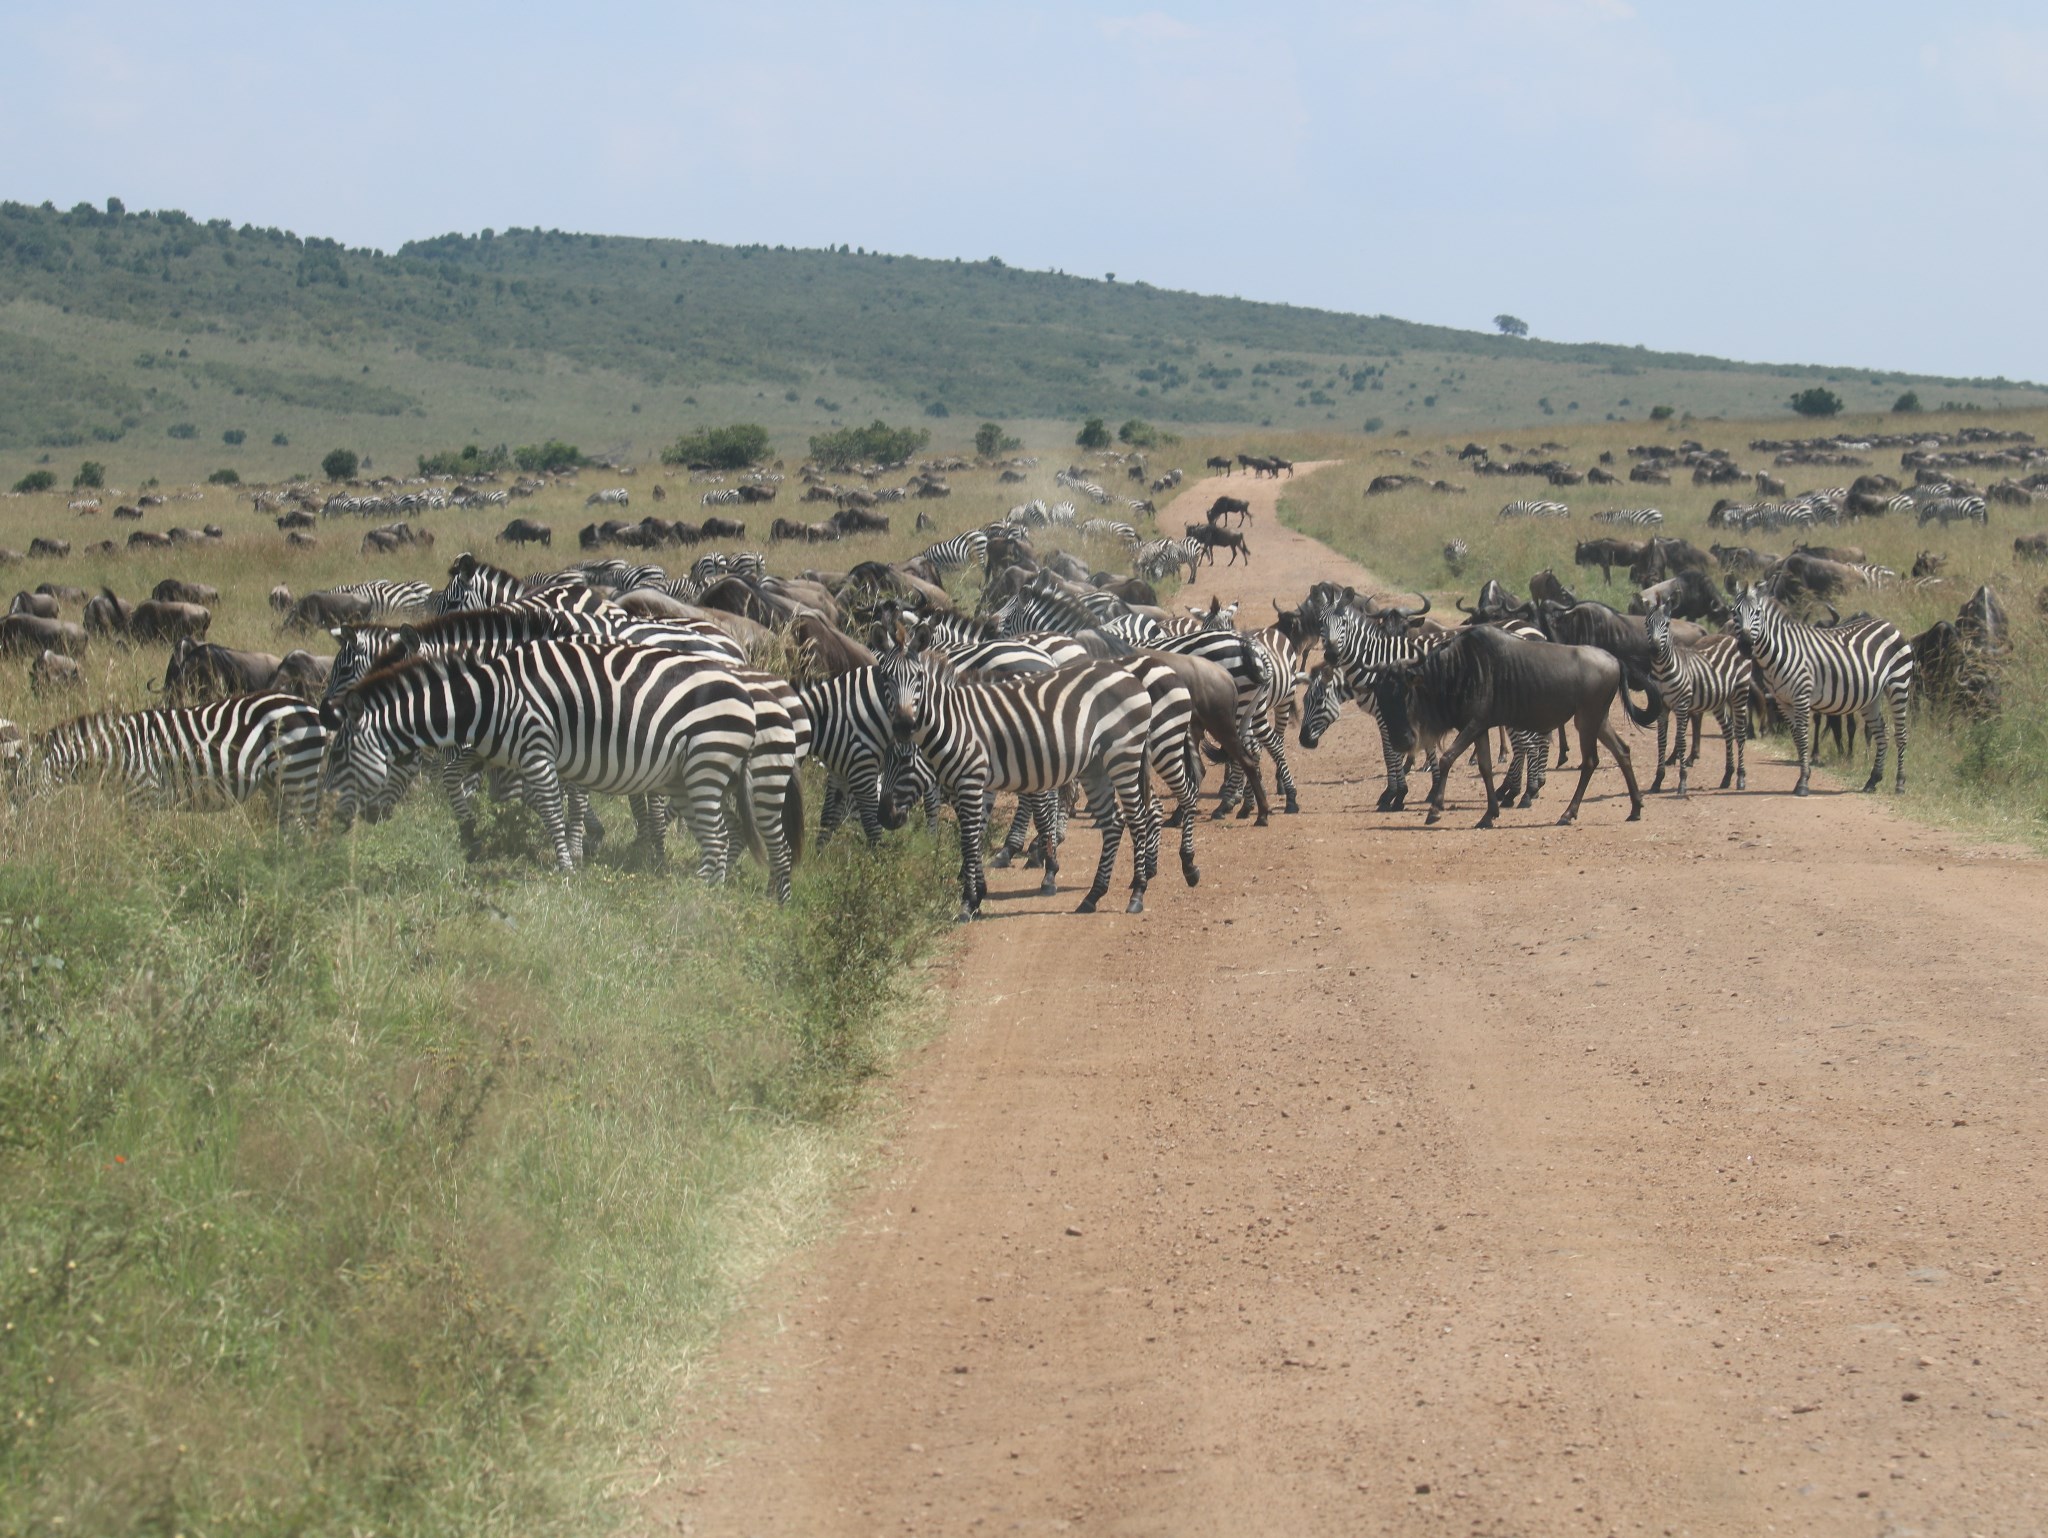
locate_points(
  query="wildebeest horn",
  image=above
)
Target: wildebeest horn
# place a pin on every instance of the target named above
(1461, 604)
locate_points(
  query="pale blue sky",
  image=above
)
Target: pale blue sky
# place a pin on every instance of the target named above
(1843, 183)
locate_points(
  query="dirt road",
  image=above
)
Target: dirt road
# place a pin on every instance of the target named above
(1683, 1177)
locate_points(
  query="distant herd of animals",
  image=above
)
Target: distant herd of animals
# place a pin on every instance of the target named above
(1067, 684)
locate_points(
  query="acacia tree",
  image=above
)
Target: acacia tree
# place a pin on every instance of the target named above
(1511, 325)
(1818, 401)
(1094, 434)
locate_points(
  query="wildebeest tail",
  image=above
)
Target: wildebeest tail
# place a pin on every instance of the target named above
(1653, 702)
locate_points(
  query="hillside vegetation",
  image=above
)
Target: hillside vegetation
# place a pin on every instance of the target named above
(117, 327)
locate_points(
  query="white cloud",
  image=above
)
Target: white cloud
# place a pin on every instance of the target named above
(1148, 27)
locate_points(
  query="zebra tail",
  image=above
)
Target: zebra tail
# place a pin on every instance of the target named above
(1653, 702)
(750, 826)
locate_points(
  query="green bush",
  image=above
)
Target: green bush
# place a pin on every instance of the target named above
(1094, 434)
(340, 464)
(877, 443)
(92, 475)
(1662, 413)
(554, 455)
(467, 460)
(36, 480)
(224, 477)
(990, 440)
(182, 430)
(1907, 403)
(937, 409)
(234, 437)
(1138, 433)
(720, 448)
(280, 441)
(1816, 401)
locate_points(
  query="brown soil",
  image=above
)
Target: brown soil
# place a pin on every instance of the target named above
(1678, 1177)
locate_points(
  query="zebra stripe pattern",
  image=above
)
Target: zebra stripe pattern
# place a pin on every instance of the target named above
(1158, 558)
(1535, 508)
(1713, 677)
(229, 749)
(1854, 670)
(1091, 722)
(1634, 517)
(628, 720)
(402, 599)
(957, 553)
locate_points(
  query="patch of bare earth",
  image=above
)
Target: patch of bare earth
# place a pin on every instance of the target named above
(1682, 1177)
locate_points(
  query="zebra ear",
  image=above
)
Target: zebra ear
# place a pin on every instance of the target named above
(332, 715)
(407, 641)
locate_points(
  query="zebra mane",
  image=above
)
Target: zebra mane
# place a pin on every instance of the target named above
(482, 568)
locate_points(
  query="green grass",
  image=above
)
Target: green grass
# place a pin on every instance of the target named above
(1983, 774)
(115, 330)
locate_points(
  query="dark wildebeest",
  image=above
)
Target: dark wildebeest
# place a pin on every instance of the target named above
(1929, 563)
(300, 540)
(1221, 462)
(2031, 547)
(63, 592)
(855, 520)
(41, 605)
(129, 513)
(324, 611)
(41, 545)
(1223, 507)
(1769, 486)
(757, 493)
(303, 673)
(1688, 595)
(107, 614)
(1483, 679)
(26, 635)
(1608, 554)
(174, 590)
(155, 620)
(1209, 536)
(148, 539)
(659, 494)
(1495, 603)
(1663, 557)
(724, 528)
(1545, 588)
(1848, 555)
(1741, 561)
(297, 518)
(200, 671)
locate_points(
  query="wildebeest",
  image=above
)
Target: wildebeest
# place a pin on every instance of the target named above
(1687, 595)
(301, 541)
(148, 539)
(324, 611)
(53, 671)
(175, 590)
(1928, 563)
(1545, 588)
(200, 671)
(42, 545)
(1608, 554)
(1209, 536)
(297, 518)
(27, 635)
(42, 605)
(1769, 486)
(1665, 556)
(129, 513)
(1221, 462)
(2031, 547)
(107, 614)
(1223, 507)
(157, 620)
(855, 520)
(303, 673)
(1483, 679)
(724, 528)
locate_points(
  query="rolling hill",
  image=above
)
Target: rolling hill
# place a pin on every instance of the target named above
(144, 338)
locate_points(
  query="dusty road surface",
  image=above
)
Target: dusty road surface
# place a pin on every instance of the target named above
(1684, 1177)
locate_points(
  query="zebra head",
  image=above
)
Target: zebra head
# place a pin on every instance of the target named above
(356, 650)
(1338, 622)
(903, 683)
(1657, 624)
(1326, 696)
(1751, 612)
(361, 771)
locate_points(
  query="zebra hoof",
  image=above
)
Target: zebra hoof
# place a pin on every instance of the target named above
(1087, 904)
(1221, 812)
(1801, 790)
(1048, 887)
(1136, 905)
(1293, 806)
(1192, 872)
(1000, 860)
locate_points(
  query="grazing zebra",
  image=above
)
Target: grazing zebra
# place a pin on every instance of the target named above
(1714, 676)
(474, 584)
(727, 497)
(1864, 669)
(402, 599)
(707, 569)
(957, 553)
(1107, 528)
(1060, 515)
(1535, 508)
(617, 496)
(1637, 517)
(1158, 558)
(1091, 722)
(629, 720)
(1029, 515)
(1280, 676)
(229, 749)
(1954, 510)
(851, 739)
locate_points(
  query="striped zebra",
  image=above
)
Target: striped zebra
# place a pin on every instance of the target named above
(1029, 515)
(1713, 677)
(1535, 507)
(708, 568)
(1356, 650)
(227, 750)
(1634, 517)
(957, 553)
(403, 600)
(1855, 670)
(629, 720)
(1953, 510)
(1109, 528)
(851, 740)
(1090, 722)
(728, 496)
(616, 496)
(475, 584)
(1251, 670)
(1060, 515)
(1160, 558)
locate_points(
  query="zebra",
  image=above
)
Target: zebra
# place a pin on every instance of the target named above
(708, 568)
(851, 739)
(475, 584)
(230, 748)
(1159, 558)
(1864, 669)
(1108, 528)
(1251, 669)
(1090, 722)
(1060, 515)
(1954, 510)
(1714, 676)
(1029, 515)
(728, 496)
(617, 496)
(1355, 651)
(392, 598)
(1535, 508)
(629, 720)
(1634, 517)
(957, 553)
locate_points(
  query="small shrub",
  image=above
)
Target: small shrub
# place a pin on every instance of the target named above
(181, 430)
(1817, 401)
(340, 464)
(36, 480)
(92, 475)
(280, 441)
(234, 437)
(877, 443)
(1662, 413)
(1907, 403)
(1138, 433)
(990, 440)
(224, 477)
(723, 448)
(1094, 434)
(1374, 424)
(550, 456)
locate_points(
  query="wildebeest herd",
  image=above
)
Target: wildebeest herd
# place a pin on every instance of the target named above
(1065, 682)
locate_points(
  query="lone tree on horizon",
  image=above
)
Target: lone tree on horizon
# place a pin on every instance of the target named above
(1511, 325)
